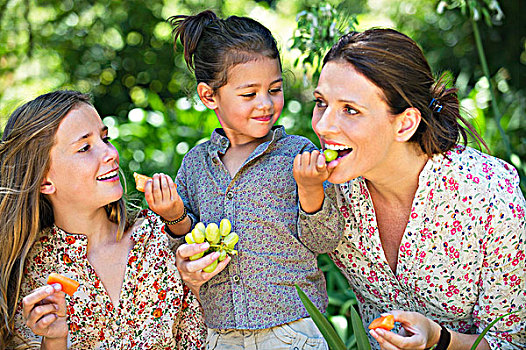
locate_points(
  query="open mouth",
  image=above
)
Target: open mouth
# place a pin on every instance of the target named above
(342, 150)
(110, 175)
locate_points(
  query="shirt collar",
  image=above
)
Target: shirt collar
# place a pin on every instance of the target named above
(220, 143)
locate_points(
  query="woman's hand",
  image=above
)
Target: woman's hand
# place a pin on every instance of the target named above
(44, 311)
(418, 332)
(162, 197)
(192, 271)
(310, 171)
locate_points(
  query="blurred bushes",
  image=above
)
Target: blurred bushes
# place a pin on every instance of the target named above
(122, 53)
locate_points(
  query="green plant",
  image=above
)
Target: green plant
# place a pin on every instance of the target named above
(333, 339)
(318, 29)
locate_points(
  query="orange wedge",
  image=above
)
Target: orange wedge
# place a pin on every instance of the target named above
(384, 322)
(140, 181)
(69, 286)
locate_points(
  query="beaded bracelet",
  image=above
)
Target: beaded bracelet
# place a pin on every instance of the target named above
(179, 219)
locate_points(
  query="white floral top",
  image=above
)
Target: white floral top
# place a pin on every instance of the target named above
(156, 310)
(462, 257)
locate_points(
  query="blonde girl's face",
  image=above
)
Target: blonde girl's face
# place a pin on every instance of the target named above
(251, 101)
(84, 164)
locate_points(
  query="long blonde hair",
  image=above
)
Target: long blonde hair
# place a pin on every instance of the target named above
(24, 211)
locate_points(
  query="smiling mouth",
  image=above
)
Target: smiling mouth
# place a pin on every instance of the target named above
(264, 118)
(112, 174)
(341, 149)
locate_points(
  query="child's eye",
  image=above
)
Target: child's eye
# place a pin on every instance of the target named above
(320, 103)
(250, 94)
(276, 90)
(85, 148)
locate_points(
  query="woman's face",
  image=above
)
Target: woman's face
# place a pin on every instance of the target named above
(84, 164)
(352, 117)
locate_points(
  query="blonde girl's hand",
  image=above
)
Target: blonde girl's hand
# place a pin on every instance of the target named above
(417, 332)
(162, 197)
(44, 312)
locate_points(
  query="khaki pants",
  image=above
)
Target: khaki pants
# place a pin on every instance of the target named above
(298, 335)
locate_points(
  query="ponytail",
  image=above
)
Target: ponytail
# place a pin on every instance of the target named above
(189, 30)
(213, 45)
(445, 127)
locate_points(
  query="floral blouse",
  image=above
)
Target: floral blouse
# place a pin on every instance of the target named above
(461, 261)
(156, 310)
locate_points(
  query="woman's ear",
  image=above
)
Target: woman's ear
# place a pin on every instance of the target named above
(47, 187)
(406, 124)
(207, 96)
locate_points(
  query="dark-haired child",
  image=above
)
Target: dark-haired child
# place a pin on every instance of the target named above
(244, 173)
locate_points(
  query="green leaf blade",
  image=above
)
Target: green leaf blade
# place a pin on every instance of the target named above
(326, 329)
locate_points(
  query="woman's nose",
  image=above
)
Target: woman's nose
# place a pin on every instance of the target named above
(324, 123)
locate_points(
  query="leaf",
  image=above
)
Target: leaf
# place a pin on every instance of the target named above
(328, 332)
(362, 340)
(488, 327)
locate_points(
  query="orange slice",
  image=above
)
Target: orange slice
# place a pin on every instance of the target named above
(140, 181)
(69, 286)
(384, 322)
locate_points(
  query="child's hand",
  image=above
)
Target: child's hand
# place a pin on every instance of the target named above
(162, 197)
(44, 311)
(192, 271)
(310, 171)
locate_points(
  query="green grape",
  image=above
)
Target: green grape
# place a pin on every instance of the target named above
(188, 238)
(198, 236)
(231, 240)
(201, 227)
(222, 255)
(225, 227)
(211, 267)
(212, 233)
(197, 256)
(330, 155)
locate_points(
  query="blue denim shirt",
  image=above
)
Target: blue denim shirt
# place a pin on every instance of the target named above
(256, 290)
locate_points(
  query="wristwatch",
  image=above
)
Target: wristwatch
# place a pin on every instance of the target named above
(443, 341)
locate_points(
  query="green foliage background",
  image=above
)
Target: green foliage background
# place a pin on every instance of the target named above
(122, 53)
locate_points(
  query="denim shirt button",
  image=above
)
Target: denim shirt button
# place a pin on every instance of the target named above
(236, 278)
(229, 195)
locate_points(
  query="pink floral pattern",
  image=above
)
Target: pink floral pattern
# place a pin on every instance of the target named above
(156, 310)
(461, 260)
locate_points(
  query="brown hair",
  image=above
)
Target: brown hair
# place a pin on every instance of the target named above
(213, 45)
(395, 63)
(24, 211)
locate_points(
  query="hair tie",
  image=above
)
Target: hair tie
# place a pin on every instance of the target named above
(435, 105)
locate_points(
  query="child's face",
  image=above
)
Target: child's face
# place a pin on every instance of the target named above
(84, 164)
(251, 101)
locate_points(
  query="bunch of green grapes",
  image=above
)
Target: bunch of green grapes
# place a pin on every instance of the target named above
(220, 237)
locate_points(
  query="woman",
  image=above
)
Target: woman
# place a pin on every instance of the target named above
(61, 210)
(432, 231)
